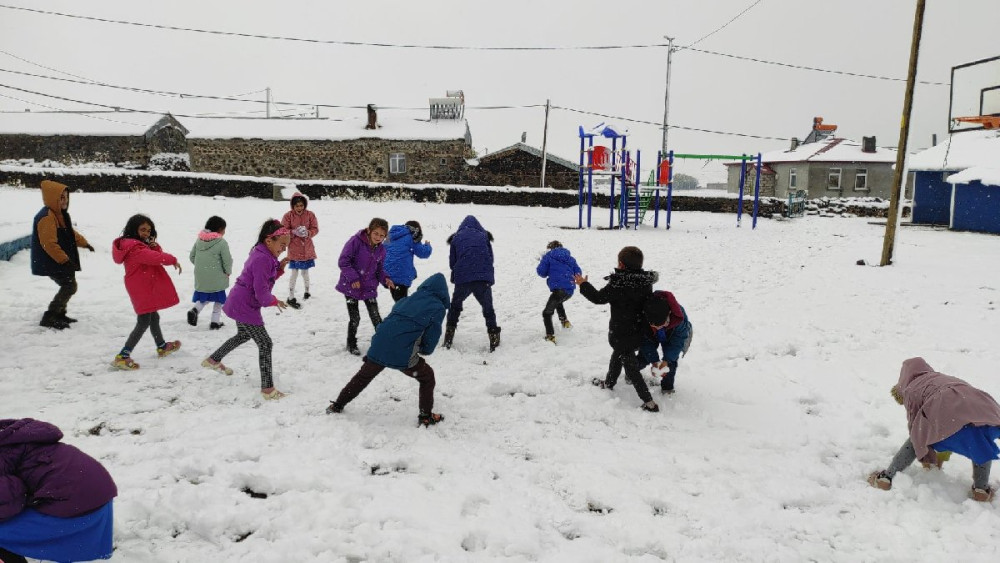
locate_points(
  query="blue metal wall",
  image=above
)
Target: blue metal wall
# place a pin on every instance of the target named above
(977, 208)
(931, 198)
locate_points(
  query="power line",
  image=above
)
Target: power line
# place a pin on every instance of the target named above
(812, 68)
(660, 125)
(720, 28)
(330, 41)
(465, 47)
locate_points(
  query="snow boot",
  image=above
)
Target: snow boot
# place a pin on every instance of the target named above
(449, 335)
(215, 326)
(352, 347)
(193, 317)
(651, 406)
(293, 303)
(68, 320)
(494, 334)
(306, 295)
(51, 320)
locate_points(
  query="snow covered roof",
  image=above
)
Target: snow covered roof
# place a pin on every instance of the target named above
(531, 150)
(962, 150)
(112, 123)
(831, 149)
(397, 128)
(989, 175)
(98, 124)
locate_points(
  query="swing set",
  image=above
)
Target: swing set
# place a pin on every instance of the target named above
(617, 164)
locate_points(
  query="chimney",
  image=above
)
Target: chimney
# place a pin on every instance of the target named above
(933, 139)
(868, 144)
(795, 143)
(372, 117)
(524, 137)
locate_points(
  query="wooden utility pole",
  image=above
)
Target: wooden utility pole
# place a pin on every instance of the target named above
(899, 177)
(545, 138)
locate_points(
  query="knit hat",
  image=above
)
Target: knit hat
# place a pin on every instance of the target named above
(656, 310)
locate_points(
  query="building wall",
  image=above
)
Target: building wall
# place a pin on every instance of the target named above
(976, 208)
(768, 182)
(75, 149)
(931, 198)
(357, 159)
(880, 176)
(520, 168)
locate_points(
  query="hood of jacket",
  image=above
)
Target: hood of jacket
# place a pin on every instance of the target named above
(632, 278)
(399, 232)
(28, 431)
(50, 197)
(436, 286)
(122, 247)
(471, 222)
(206, 236)
(561, 254)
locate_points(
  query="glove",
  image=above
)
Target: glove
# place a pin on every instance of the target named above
(301, 231)
(89, 247)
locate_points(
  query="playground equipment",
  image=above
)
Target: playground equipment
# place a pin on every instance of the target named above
(635, 198)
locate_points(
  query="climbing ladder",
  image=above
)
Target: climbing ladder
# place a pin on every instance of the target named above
(628, 216)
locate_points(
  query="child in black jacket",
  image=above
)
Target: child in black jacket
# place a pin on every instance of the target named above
(627, 290)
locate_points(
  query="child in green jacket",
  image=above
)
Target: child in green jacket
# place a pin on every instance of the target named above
(212, 266)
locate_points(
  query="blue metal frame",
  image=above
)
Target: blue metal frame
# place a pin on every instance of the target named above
(743, 177)
(756, 193)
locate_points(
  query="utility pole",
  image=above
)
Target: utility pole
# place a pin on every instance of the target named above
(899, 177)
(666, 96)
(545, 138)
(267, 102)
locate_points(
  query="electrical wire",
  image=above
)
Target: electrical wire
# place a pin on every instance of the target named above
(720, 28)
(681, 127)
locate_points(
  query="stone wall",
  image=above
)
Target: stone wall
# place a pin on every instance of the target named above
(71, 150)
(191, 184)
(520, 168)
(359, 159)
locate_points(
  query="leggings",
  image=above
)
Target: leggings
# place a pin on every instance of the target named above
(421, 372)
(260, 337)
(354, 315)
(906, 455)
(554, 305)
(291, 281)
(216, 309)
(145, 321)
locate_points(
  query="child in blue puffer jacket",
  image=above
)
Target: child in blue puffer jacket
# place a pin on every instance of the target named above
(559, 266)
(411, 330)
(403, 244)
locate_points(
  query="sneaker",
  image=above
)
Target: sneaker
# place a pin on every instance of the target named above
(566, 323)
(982, 495)
(274, 395)
(428, 419)
(551, 338)
(193, 317)
(651, 406)
(306, 295)
(124, 363)
(293, 303)
(603, 384)
(168, 348)
(216, 366)
(216, 326)
(879, 480)
(334, 408)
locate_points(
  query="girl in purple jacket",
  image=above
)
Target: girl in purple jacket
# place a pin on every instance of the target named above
(250, 293)
(55, 501)
(361, 271)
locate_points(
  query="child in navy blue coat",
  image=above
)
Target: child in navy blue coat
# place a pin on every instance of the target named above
(471, 261)
(669, 328)
(411, 330)
(403, 244)
(559, 266)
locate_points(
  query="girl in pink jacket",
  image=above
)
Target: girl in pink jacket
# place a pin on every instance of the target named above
(302, 225)
(944, 414)
(148, 285)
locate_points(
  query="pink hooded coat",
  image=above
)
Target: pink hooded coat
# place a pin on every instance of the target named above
(301, 248)
(147, 282)
(939, 405)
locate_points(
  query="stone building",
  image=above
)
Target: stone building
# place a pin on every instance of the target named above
(521, 165)
(121, 139)
(823, 165)
(399, 149)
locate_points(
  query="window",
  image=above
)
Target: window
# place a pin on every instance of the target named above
(397, 163)
(833, 179)
(792, 178)
(861, 180)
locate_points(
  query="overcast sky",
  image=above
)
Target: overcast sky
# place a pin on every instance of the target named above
(708, 91)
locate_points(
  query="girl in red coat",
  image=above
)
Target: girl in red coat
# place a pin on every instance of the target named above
(303, 225)
(148, 285)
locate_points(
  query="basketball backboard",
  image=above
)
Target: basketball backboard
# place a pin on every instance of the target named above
(975, 91)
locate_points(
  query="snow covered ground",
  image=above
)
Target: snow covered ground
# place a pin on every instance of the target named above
(782, 406)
